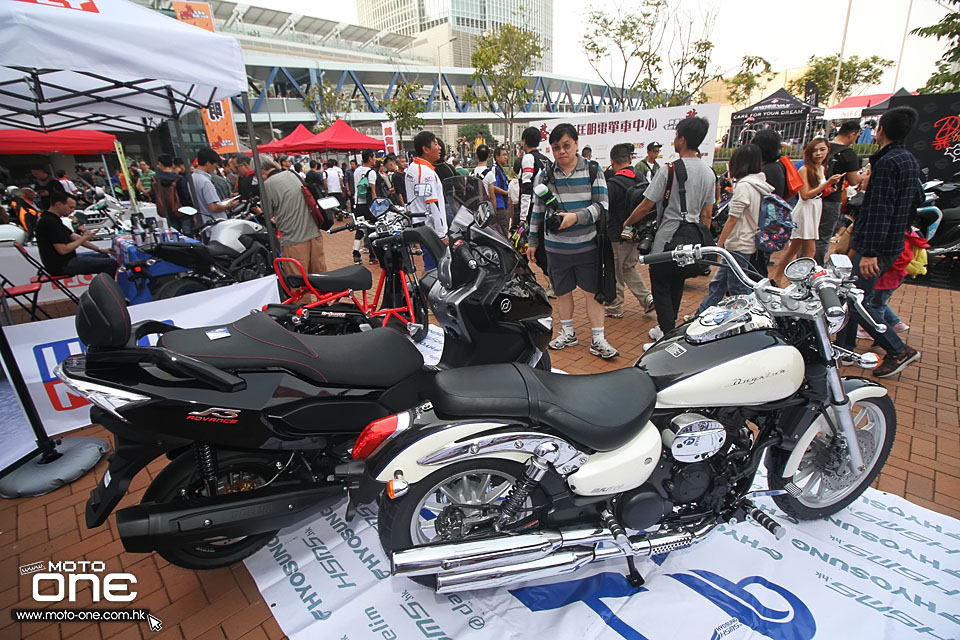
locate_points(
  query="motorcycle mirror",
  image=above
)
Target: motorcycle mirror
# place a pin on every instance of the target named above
(328, 203)
(379, 207)
(187, 211)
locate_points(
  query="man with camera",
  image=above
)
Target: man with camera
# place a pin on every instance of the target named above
(625, 190)
(687, 188)
(569, 198)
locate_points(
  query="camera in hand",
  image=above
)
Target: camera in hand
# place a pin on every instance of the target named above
(642, 233)
(551, 217)
(553, 220)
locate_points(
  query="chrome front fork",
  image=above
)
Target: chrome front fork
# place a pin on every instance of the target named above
(838, 397)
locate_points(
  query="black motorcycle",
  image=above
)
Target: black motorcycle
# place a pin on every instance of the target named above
(256, 419)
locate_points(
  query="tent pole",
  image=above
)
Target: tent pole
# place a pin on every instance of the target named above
(264, 202)
(151, 157)
(109, 188)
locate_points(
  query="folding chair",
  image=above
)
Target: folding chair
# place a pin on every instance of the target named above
(19, 293)
(45, 276)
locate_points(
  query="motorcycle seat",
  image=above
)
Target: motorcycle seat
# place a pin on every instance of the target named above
(353, 277)
(601, 411)
(378, 358)
(950, 217)
(219, 250)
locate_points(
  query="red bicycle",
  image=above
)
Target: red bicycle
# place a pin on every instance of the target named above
(327, 303)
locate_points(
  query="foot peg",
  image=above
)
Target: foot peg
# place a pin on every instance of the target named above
(413, 327)
(763, 520)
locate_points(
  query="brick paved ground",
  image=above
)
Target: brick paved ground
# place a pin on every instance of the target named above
(924, 467)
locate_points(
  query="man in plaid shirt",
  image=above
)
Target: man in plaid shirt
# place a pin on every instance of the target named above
(892, 196)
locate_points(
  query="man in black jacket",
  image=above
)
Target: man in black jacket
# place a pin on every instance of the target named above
(619, 187)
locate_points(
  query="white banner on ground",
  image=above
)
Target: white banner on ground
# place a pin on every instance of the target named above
(881, 568)
(40, 346)
(600, 131)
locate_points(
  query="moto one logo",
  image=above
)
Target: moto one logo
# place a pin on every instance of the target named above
(62, 576)
(215, 414)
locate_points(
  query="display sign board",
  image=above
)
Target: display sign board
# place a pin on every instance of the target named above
(881, 568)
(600, 131)
(40, 346)
(390, 143)
(935, 141)
(218, 119)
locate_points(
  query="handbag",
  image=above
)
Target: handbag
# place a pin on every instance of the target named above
(320, 217)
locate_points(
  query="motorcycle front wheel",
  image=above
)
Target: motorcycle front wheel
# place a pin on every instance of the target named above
(824, 489)
(180, 480)
(411, 520)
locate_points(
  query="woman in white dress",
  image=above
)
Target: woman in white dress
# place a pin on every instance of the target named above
(806, 215)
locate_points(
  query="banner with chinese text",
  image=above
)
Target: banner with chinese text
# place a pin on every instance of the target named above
(218, 119)
(389, 136)
(600, 131)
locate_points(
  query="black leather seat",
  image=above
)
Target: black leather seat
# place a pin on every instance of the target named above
(602, 411)
(353, 277)
(378, 358)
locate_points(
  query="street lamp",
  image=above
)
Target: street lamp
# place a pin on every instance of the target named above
(440, 82)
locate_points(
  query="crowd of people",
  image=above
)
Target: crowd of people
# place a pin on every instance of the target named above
(644, 203)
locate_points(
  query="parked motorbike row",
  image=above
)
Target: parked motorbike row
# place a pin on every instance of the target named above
(488, 468)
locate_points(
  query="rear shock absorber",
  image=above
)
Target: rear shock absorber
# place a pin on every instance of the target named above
(532, 474)
(207, 465)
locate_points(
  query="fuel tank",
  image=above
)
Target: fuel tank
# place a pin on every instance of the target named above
(748, 368)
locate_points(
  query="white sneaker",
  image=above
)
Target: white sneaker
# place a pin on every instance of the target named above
(655, 333)
(563, 340)
(648, 304)
(901, 326)
(863, 334)
(647, 345)
(603, 349)
(689, 316)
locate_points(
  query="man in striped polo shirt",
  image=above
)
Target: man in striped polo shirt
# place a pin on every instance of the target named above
(572, 253)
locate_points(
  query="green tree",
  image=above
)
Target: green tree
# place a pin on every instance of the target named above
(404, 108)
(661, 51)
(754, 74)
(328, 103)
(504, 58)
(470, 132)
(855, 73)
(947, 76)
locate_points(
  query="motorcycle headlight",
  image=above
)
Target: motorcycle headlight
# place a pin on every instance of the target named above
(107, 398)
(837, 324)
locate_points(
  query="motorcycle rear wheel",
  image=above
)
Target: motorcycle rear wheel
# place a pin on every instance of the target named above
(180, 287)
(823, 492)
(181, 480)
(411, 520)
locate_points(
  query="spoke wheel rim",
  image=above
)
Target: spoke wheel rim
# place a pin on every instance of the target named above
(475, 487)
(819, 487)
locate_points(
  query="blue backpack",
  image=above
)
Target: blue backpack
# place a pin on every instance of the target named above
(774, 224)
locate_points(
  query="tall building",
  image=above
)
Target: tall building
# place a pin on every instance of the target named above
(446, 30)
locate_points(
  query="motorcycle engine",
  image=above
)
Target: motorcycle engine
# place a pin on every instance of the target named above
(693, 437)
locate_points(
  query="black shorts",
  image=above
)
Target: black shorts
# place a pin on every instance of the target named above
(571, 270)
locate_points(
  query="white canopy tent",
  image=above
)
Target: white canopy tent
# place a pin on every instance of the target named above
(107, 64)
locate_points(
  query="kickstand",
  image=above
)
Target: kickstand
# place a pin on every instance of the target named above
(634, 578)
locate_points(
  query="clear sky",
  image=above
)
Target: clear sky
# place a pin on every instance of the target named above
(785, 33)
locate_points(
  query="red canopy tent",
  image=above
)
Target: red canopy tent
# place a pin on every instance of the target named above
(293, 142)
(67, 141)
(340, 137)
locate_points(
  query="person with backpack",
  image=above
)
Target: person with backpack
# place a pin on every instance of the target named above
(367, 188)
(683, 217)
(806, 215)
(496, 184)
(531, 164)
(739, 234)
(625, 192)
(577, 193)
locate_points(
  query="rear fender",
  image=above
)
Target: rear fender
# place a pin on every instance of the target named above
(857, 389)
(410, 454)
(128, 459)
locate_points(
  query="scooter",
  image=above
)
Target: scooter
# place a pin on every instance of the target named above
(259, 422)
(236, 250)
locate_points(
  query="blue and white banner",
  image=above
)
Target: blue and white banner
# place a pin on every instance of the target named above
(882, 568)
(40, 346)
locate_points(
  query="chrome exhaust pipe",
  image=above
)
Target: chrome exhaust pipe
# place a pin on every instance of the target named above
(492, 552)
(484, 576)
(552, 565)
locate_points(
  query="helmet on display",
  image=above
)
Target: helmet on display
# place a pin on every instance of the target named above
(12, 233)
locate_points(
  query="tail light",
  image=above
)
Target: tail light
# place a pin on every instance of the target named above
(378, 432)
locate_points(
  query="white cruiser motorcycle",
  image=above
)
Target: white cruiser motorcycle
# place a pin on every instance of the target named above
(510, 474)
